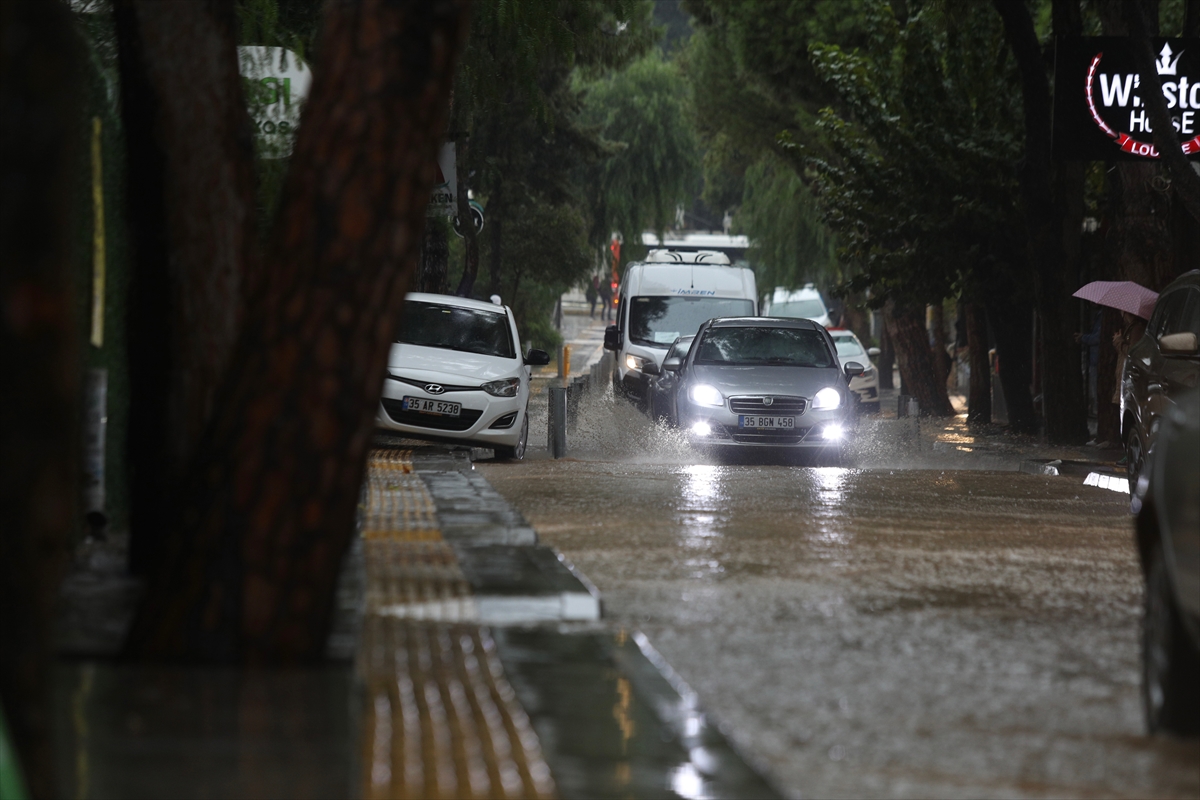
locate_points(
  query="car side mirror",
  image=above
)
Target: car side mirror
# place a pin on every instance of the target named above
(853, 369)
(672, 364)
(650, 368)
(873, 352)
(537, 358)
(1180, 344)
(612, 338)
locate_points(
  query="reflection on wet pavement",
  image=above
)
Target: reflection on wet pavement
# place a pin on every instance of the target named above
(879, 632)
(127, 731)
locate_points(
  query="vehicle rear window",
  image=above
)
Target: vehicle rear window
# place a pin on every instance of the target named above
(754, 346)
(847, 347)
(465, 329)
(799, 309)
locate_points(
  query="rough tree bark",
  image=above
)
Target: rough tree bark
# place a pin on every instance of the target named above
(39, 404)
(979, 399)
(268, 508)
(434, 263)
(1047, 194)
(887, 360)
(1009, 319)
(906, 327)
(191, 215)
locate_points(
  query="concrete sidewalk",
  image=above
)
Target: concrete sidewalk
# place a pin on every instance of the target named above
(467, 660)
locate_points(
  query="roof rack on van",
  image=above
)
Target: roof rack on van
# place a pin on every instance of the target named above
(661, 256)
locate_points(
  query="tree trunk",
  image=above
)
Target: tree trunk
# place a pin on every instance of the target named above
(887, 360)
(497, 240)
(466, 222)
(938, 348)
(434, 263)
(979, 400)
(906, 327)
(191, 214)
(39, 406)
(1050, 199)
(1009, 320)
(268, 509)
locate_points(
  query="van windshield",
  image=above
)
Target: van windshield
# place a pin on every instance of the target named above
(455, 328)
(658, 321)
(799, 309)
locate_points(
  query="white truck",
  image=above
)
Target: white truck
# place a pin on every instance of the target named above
(669, 295)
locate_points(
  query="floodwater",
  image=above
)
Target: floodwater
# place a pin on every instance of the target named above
(926, 623)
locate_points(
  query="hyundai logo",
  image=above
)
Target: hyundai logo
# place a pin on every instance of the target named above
(434, 388)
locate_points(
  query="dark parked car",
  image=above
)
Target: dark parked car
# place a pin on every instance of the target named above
(662, 384)
(1167, 501)
(1161, 366)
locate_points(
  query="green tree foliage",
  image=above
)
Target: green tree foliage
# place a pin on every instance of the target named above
(789, 245)
(923, 189)
(643, 114)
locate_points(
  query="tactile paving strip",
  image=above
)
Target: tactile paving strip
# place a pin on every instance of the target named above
(441, 720)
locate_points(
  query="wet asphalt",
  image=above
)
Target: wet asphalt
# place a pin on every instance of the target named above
(913, 625)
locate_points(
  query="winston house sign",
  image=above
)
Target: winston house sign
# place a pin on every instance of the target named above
(1099, 113)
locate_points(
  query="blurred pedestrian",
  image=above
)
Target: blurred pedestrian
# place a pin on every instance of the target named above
(606, 294)
(593, 294)
(1133, 327)
(1091, 340)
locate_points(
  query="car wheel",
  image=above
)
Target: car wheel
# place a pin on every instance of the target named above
(1170, 661)
(517, 452)
(1135, 455)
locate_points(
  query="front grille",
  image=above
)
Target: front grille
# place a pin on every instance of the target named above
(780, 406)
(742, 436)
(504, 422)
(462, 422)
(446, 387)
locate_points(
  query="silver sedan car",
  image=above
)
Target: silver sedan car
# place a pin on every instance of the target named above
(764, 382)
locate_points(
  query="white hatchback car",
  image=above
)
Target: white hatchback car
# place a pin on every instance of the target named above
(849, 348)
(456, 374)
(803, 303)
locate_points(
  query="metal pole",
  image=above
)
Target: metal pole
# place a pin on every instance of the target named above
(556, 433)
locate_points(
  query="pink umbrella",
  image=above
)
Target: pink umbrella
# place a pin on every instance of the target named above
(1121, 295)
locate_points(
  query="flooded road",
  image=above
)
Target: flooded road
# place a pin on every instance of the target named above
(878, 632)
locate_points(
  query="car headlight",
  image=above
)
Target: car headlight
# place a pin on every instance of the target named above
(704, 395)
(827, 398)
(635, 362)
(868, 373)
(507, 387)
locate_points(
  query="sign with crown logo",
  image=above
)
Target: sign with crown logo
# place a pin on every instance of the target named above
(1099, 113)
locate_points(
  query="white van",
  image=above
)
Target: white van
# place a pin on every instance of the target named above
(803, 303)
(669, 295)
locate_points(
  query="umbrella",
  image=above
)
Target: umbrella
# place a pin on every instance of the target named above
(1121, 295)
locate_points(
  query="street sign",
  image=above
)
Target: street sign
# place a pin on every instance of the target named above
(476, 217)
(442, 201)
(1099, 113)
(276, 83)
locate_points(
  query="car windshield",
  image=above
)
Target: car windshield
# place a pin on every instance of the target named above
(784, 347)
(661, 320)
(452, 328)
(847, 347)
(799, 309)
